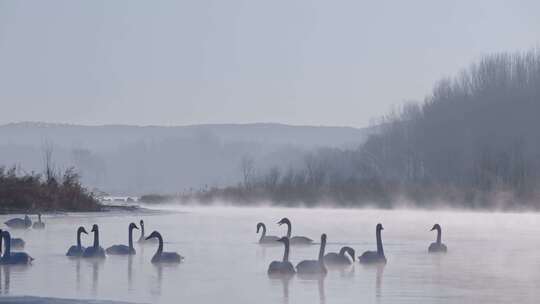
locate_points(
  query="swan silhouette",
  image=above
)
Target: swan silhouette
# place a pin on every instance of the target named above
(314, 266)
(95, 251)
(15, 258)
(295, 240)
(19, 223)
(438, 246)
(266, 239)
(142, 238)
(77, 250)
(123, 249)
(374, 257)
(283, 267)
(338, 259)
(39, 224)
(163, 257)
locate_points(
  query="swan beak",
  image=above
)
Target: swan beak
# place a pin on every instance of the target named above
(147, 238)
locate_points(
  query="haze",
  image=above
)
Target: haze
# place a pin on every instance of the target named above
(187, 62)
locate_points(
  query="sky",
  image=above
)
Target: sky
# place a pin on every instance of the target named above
(335, 63)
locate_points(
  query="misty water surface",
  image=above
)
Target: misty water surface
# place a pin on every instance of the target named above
(493, 257)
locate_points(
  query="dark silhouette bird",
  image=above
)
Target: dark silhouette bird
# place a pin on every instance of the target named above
(438, 246)
(19, 223)
(39, 224)
(283, 267)
(13, 258)
(266, 239)
(374, 257)
(123, 249)
(77, 250)
(95, 251)
(311, 267)
(339, 259)
(163, 257)
(295, 240)
(142, 238)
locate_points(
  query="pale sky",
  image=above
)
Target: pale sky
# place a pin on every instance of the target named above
(227, 61)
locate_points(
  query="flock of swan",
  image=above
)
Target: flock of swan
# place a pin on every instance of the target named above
(318, 266)
(283, 267)
(78, 251)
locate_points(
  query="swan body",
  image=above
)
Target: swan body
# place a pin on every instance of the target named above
(142, 238)
(295, 240)
(19, 223)
(283, 267)
(163, 257)
(39, 224)
(15, 258)
(266, 239)
(77, 250)
(17, 243)
(123, 249)
(339, 259)
(374, 257)
(95, 251)
(311, 267)
(437, 246)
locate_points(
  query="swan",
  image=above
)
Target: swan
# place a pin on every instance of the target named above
(438, 246)
(374, 257)
(142, 238)
(123, 249)
(95, 251)
(17, 243)
(333, 258)
(283, 267)
(15, 258)
(77, 250)
(295, 240)
(163, 257)
(19, 223)
(314, 266)
(266, 239)
(39, 224)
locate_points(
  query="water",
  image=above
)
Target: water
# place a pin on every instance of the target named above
(492, 258)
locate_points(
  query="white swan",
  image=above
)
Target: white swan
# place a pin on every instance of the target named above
(311, 267)
(438, 246)
(283, 267)
(295, 240)
(374, 257)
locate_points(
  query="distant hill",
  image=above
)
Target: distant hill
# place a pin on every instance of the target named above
(137, 159)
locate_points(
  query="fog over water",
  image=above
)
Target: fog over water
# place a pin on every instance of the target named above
(492, 258)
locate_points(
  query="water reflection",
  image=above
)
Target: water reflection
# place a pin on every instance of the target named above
(320, 284)
(5, 275)
(130, 272)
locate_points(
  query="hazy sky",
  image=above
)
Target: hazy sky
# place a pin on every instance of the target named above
(188, 62)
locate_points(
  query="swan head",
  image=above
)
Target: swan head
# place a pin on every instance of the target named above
(133, 226)
(436, 227)
(379, 227)
(323, 238)
(94, 228)
(141, 222)
(154, 234)
(82, 230)
(284, 221)
(259, 226)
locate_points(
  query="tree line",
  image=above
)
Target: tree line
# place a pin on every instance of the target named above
(473, 142)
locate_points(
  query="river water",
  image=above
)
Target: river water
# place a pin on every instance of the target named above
(492, 258)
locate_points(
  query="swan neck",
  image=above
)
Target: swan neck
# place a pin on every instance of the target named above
(289, 228)
(439, 232)
(160, 247)
(79, 239)
(263, 226)
(286, 252)
(380, 249)
(142, 232)
(7, 253)
(130, 236)
(96, 238)
(321, 249)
